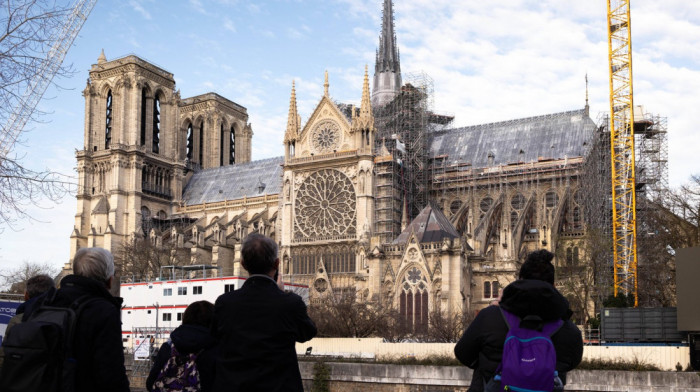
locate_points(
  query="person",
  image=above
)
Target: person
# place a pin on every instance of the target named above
(258, 325)
(481, 345)
(193, 336)
(98, 348)
(35, 286)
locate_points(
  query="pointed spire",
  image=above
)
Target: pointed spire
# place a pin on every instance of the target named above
(404, 217)
(365, 104)
(102, 58)
(292, 119)
(387, 68)
(388, 58)
(325, 84)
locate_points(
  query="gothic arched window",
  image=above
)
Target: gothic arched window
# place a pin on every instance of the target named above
(487, 289)
(232, 147)
(190, 141)
(201, 143)
(143, 116)
(413, 300)
(108, 120)
(577, 218)
(221, 145)
(156, 124)
(146, 223)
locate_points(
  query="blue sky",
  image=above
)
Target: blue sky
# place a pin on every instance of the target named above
(490, 61)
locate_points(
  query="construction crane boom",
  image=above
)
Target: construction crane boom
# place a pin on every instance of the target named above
(622, 149)
(39, 83)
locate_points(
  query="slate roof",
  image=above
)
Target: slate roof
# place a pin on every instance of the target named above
(234, 181)
(552, 136)
(431, 225)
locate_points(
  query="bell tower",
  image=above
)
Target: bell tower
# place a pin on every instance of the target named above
(131, 167)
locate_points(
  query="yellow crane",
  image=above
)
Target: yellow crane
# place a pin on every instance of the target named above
(622, 148)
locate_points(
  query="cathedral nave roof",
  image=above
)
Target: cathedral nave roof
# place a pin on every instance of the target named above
(233, 182)
(552, 136)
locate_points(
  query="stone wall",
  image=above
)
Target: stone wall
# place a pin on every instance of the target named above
(664, 357)
(369, 377)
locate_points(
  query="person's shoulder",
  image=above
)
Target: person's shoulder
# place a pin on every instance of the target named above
(569, 329)
(490, 311)
(291, 297)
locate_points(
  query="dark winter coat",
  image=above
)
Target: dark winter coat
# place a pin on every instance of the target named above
(481, 346)
(188, 339)
(257, 327)
(98, 348)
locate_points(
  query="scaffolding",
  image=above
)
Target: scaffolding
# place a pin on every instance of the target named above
(651, 167)
(402, 157)
(651, 152)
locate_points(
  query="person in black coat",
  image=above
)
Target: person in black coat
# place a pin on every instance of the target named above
(258, 325)
(481, 346)
(193, 336)
(35, 287)
(98, 347)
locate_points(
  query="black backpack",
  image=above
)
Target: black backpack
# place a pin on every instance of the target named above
(39, 350)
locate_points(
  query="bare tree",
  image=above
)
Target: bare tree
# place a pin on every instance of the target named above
(344, 316)
(668, 223)
(21, 187)
(30, 29)
(142, 258)
(448, 326)
(586, 281)
(30, 58)
(13, 280)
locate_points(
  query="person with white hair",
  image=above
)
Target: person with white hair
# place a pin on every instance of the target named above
(98, 348)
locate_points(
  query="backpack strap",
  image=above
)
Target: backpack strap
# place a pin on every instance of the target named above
(549, 327)
(76, 308)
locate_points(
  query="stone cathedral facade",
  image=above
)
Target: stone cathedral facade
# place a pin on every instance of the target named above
(180, 171)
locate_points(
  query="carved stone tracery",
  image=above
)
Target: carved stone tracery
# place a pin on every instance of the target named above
(325, 206)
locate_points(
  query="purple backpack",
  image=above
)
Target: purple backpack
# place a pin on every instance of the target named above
(179, 373)
(529, 358)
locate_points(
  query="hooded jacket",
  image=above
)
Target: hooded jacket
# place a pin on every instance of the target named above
(98, 350)
(481, 346)
(188, 338)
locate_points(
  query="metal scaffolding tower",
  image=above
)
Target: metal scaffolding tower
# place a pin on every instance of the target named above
(402, 161)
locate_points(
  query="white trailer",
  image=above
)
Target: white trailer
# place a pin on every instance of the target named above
(156, 307)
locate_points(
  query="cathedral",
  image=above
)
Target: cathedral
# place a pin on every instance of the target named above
(385, 202)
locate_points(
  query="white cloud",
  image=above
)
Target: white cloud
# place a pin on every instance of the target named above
(136, 6)
(498, 60)
(229, 25)
(198, 6)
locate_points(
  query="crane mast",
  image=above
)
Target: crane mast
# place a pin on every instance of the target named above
(36, 87)
(622, 149)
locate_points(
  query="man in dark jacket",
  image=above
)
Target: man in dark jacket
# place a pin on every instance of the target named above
(481, 346)
(35, 286)
(98, 348)
(258, 325)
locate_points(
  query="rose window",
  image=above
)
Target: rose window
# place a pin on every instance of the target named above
(321, 285)
(326, 137)
(325, 206)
